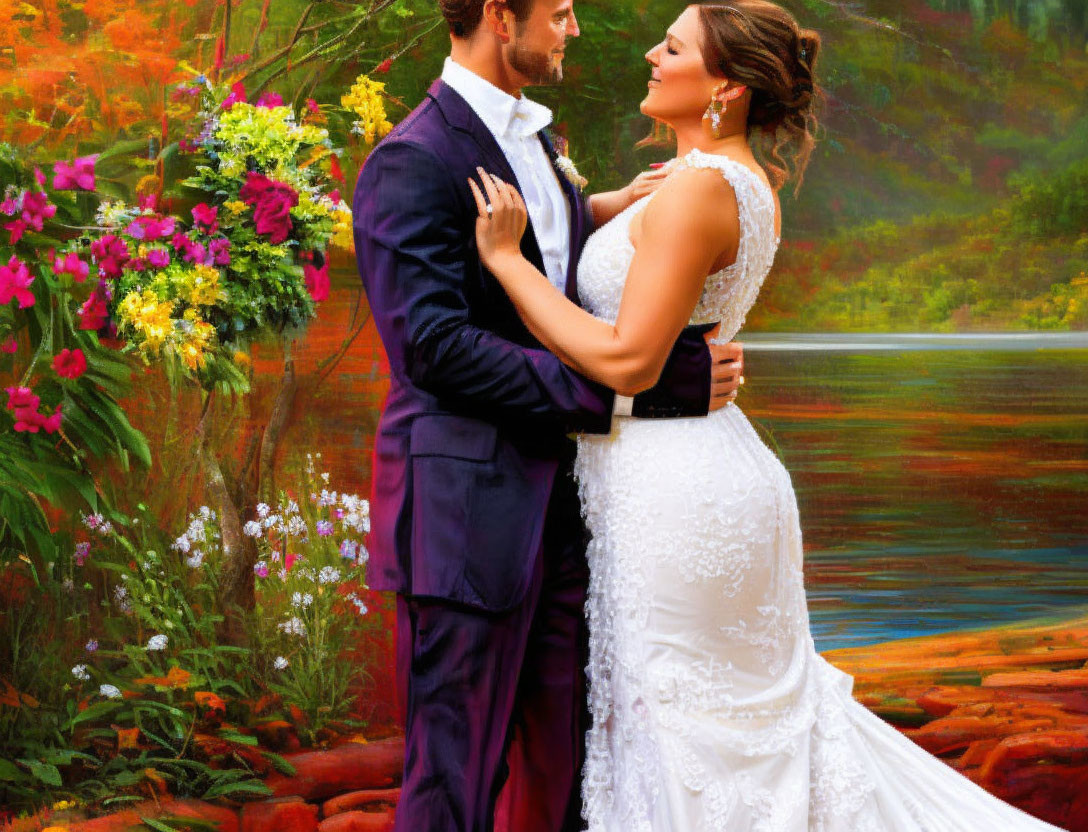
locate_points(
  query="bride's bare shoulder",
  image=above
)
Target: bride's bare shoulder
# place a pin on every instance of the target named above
(696, 196)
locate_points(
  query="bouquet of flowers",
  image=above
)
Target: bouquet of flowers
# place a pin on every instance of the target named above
(251, 258)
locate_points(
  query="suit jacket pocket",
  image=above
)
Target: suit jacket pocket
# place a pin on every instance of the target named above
(476, 515)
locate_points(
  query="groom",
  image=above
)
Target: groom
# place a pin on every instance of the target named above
(475, 512)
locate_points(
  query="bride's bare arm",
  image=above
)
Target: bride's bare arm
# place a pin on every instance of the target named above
(604, 206)
(685, 229)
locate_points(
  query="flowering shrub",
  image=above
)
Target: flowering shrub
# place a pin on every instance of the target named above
(150, 695)
(365, 101)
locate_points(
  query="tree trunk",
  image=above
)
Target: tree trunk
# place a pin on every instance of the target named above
(277, 421)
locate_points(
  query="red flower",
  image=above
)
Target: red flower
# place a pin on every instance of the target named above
(334, 168)
(237, 96)
(94, 314)
(70, 364)
(16, 227)
(220, 52)
(79, 174)
(205, 217)
(111, 254)
(272, 203)
(15, 280)
(384, 66)
(317, 281)
(10, 346)
(51, 423)
(20, 398)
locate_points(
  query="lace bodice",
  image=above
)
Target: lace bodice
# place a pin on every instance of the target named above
(728, 294)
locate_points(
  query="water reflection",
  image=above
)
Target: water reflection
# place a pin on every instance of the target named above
(942, 480)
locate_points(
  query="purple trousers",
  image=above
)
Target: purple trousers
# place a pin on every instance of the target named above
(494, 704)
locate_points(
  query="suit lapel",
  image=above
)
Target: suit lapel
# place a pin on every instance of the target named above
(574, 199)
(460, 116)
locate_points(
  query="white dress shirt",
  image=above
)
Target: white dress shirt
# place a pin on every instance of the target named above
(515, 122)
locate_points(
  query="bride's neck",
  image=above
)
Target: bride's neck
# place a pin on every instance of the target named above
(697, 138)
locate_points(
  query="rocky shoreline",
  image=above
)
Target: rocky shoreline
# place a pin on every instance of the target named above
(1007, 707)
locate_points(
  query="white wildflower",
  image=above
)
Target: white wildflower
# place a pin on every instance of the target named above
(252, 529)
(182, 544)
(80, 672)
(263, 510)
(280, 663)
(110, 691)
(296, 526)
(300, 600)
(195, 560)
(329, 575)
(157, 642)
(293, 626)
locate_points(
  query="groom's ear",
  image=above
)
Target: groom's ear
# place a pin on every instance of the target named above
(499, 19)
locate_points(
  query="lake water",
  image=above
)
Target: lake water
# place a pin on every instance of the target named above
(942, 480)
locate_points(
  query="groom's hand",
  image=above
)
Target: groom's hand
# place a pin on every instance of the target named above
(726, 371)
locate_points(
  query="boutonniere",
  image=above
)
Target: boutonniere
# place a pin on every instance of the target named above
(565, 165)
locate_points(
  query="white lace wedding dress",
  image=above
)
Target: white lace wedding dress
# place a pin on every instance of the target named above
(712, 711)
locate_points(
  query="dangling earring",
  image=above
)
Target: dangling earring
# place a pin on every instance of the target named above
(719, 106)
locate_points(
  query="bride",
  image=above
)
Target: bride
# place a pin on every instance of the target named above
(711, 708)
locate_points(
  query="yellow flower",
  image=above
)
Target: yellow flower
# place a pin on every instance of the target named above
(203, 286)
(365, 100)
(61, 805)
(149, 317)
(147, 185)
(242, 359)
(197, 339)
(342, 236)
(236, 207)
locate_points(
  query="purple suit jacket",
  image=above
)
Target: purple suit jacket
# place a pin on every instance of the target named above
(475, 426)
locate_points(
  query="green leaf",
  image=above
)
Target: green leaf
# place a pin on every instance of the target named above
(10, 772)
(246, 786)
(280, 764)
(46, 772)
(241, 739)
(95, 711)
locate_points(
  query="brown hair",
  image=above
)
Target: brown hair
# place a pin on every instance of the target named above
(759, 44)
(464, 16)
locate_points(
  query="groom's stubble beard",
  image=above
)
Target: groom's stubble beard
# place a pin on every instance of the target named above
(538, 67)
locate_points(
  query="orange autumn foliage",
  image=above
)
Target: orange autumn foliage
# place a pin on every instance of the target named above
(174, 678)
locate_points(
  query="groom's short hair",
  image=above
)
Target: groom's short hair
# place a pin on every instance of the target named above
(464, 16)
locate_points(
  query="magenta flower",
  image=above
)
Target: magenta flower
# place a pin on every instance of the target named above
(272, 203)
(289, 561)
(151, 228)
(70, 364)
(10, 346)
(205, 218)
(324, 528)
(15, 280)
(82, 550)
(193, 252)
(20, 398)
(16, 227)
(71, 264)
(37, 209)
(77, 175)
(237, 96)
(149, 202)
(311, 105)
(317, 281)
(270, 99)
(158, 258)
(111, 254)
(51, 424)
(40, 177)
(94, 314)
(219, 251)
(261, 569)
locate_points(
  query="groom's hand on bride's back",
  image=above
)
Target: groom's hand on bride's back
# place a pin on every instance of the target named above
(726, 370)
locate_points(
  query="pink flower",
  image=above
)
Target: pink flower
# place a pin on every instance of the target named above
(71, 264)
(111, 254)
(158, 258)
(37, 209)
(40, 177)
(78, 174)
(311, 105)
(219, 251)
(289, 561)
(16, 227)
(20, 398)
(270, 99)
(204, 216)
(149, 202)
(15, 280)
(272, 203)
(94, 314)
(317, 281)
(151, 228)
(10, 346)
(52, 423)
(261, 569)
(334, 195)
(237, 96)
(70, 364)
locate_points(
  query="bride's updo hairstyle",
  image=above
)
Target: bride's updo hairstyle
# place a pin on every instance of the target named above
(759, 44)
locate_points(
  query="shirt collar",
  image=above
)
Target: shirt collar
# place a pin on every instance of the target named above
(503, 114)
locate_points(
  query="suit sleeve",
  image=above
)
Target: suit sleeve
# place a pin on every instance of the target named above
(414, 241)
